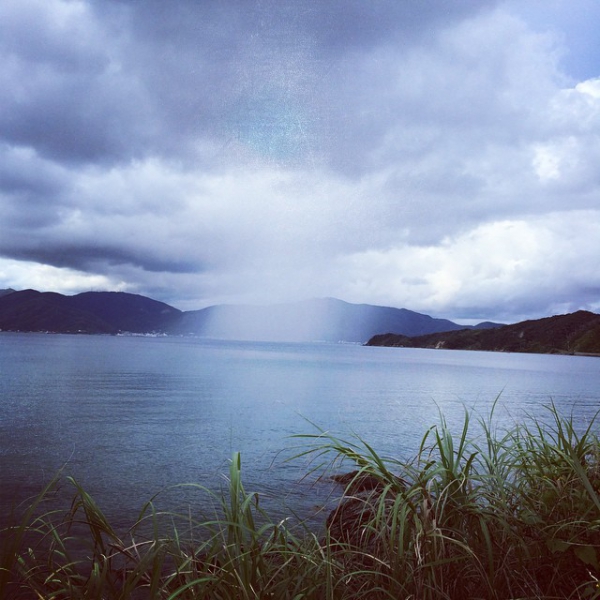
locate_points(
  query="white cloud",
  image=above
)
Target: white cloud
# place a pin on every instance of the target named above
(436, 171)
(22, 275)
(551, 160)
(509, 266)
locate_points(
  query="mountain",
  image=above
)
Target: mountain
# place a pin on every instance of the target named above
(128, 312)
(90, 312)
(575, 333)
(325, 319)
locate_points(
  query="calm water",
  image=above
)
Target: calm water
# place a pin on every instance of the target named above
(130, 416)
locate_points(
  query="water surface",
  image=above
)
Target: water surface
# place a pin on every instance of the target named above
(130, 416)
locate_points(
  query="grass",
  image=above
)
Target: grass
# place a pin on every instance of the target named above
(496, 514)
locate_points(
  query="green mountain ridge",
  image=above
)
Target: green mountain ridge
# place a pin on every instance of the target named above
(574, 333)
(324, 319)
(90, 312)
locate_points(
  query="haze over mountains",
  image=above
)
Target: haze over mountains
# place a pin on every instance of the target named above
(325, 319)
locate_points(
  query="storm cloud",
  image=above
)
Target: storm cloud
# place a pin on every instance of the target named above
(438, 156)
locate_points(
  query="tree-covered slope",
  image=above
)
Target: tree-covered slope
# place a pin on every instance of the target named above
(577, 332)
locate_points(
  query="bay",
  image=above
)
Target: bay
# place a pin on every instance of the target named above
(129, 417)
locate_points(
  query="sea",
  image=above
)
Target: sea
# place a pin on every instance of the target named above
(135, 419)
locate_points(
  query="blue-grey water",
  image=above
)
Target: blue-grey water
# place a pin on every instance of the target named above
(131, 416)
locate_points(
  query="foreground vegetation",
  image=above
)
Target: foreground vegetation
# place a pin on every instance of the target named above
(496, 514)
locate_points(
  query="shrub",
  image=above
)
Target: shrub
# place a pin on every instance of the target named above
(499, 515)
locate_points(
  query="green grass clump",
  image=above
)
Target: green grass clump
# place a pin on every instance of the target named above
(498, 515)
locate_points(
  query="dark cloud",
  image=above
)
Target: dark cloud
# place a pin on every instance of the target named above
(334, 25)
(96, 258)
(22, 175)
(392, 152)
(127, 79)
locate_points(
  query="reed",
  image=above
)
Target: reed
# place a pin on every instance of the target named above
(482, 513)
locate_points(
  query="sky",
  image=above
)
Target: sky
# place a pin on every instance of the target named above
(438, 156)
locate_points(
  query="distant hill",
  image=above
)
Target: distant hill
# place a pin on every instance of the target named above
(128, 312)
(324, 319)
(91, 312)
(573, 333)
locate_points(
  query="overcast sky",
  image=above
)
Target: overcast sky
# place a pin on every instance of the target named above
(438, 156)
